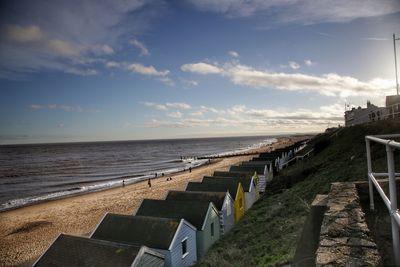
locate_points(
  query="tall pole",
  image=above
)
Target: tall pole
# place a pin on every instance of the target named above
(395, 63)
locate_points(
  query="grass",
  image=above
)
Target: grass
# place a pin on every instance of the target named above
(268, 233)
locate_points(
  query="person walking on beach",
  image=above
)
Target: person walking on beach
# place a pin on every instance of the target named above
(123, 183)
(149, 183)
(190, 169)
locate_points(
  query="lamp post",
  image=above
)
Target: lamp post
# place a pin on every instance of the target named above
(395, 62)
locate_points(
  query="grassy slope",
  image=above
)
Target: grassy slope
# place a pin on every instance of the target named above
(268, 233)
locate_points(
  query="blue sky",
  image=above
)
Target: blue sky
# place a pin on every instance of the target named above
(121, 70)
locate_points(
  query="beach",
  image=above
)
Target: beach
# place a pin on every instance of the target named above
(25, 233)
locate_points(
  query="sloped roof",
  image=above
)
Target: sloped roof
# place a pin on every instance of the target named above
(233, 174)
(215, 185)
(270, 155)
(256, 163)
(137, 230)
(215, 197)
(265, 158)
(246, 182)
(193, 211)
(258, 169)
(70, 250)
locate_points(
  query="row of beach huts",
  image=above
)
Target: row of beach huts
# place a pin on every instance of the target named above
(176, 231)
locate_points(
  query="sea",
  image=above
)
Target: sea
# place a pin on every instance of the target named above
(34, 173)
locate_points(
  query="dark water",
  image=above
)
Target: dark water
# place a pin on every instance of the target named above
(32, 173)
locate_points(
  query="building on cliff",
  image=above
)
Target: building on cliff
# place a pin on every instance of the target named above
(374, 113)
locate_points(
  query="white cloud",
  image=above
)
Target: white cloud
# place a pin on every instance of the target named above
(102, 49)
(179, 105)
(168, 105)
(201, 68)
(65, 108)
(233, 54)
(81, 72)
(140, 46)
(176, 114)
(190, 82)
(113, 64)
(302, 11)
(294, 65)
(155, 105)
(33, 36)
(28, 34)
(167, 81)
(330, 84)
(150, 70)
(308, 62)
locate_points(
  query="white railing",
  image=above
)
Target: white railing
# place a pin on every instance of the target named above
(391, 203)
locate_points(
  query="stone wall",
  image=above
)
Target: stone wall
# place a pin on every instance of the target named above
(344, 238)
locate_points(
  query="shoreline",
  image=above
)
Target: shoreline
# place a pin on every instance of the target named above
(27, 231)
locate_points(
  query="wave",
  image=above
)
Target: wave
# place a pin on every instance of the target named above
(101, 185)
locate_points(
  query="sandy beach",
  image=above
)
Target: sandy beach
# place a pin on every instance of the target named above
(26, 232)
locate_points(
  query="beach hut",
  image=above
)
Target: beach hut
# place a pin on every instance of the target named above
(216, 185)
(251, 193)
(268, 173)
(174, 238)
(222, 201)
(69, 250)
(203, 215)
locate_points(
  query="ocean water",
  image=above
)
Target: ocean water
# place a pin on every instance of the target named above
(39, 172)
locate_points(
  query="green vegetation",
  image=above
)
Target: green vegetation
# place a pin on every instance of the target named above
(268, 233)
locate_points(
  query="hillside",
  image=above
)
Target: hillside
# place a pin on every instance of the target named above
(268, 234)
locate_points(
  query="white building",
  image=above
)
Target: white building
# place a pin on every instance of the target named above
(363, 115)
(393, 106)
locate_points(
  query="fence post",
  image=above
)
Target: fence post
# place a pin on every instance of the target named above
(370, 185)
(393, 203)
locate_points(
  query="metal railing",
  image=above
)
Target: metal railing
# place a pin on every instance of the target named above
(391, 202)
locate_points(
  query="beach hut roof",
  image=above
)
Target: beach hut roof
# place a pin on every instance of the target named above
(233, 174)
(258, 169)
(270, 154)
(70, 250)
(256, 163)
(215, 185)
(246, 182)
(215, 197)
(137, 230)
(193, 211)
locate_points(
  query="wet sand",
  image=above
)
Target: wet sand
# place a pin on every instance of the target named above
(25, 233)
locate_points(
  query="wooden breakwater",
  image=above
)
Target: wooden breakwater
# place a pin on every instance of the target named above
(221, 156)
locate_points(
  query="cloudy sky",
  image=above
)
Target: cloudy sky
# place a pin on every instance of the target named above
(122, 70)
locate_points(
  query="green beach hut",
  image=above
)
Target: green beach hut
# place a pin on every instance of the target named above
(222, 201)
(234, 188)
(203, 215)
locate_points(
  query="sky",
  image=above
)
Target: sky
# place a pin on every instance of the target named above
(128, 70)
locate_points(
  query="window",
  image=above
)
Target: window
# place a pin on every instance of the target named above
(212, 229)
(184, 247)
